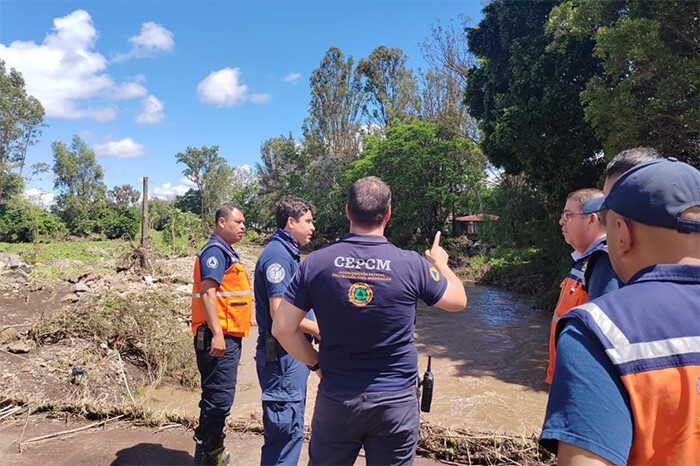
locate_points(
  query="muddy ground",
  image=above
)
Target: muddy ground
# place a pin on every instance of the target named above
(469, 396)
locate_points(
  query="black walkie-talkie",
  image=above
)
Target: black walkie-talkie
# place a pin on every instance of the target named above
(427, 383)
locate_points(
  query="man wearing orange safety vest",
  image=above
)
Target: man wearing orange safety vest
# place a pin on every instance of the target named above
(591, 274)
(221, 314)
(627, 385)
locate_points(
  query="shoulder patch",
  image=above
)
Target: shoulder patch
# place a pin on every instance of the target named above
(212, 262)
(435, 274)
(275, 273)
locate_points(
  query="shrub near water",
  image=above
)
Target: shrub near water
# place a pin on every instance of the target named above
(146, 328)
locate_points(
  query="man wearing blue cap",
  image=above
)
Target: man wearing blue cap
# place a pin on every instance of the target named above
(627, 384)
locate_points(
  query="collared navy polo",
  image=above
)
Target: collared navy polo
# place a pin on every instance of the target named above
(215, 258)
(363, 291)
(273, 272)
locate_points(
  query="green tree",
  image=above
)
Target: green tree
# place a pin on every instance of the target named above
(442, 85)
(333, 124)
(191, 202)
(210, 174)
(21, 123)
(647, 91)
(430, 169)
(124, 195)
(78, 180)
(527, 99)
(390, 87)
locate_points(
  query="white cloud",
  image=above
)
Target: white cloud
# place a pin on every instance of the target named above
(184, 181)
(168, 191)
(129, 90)
(126, 148)
(153, 39)
(152, 111)
(292, 78)
(223, 88)
(40, 198)
(260, 98)
(65, 68)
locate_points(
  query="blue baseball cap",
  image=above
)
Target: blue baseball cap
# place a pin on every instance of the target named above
(654, 193)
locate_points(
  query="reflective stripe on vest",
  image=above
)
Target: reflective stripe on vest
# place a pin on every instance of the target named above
(623, 351)
(659, 367)
(228, 293)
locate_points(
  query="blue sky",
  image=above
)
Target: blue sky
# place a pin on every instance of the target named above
(141, 81)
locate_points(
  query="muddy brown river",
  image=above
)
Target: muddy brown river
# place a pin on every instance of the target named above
(488, 362)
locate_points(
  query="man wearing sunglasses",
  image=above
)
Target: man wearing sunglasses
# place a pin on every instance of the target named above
(591, 274)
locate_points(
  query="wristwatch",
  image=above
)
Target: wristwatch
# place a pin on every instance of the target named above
(313, 368)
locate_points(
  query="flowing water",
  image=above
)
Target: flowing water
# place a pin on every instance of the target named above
(488, 362)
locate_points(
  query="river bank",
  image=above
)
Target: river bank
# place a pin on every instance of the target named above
(487, 362)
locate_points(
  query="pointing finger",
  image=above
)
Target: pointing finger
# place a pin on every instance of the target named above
(436, 241)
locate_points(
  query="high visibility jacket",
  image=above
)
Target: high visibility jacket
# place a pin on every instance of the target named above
(574, 292)
(234, 297)
(650, 330)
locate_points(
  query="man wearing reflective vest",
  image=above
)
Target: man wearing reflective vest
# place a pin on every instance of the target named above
(591, 274)
(221, 314)
(627, 384)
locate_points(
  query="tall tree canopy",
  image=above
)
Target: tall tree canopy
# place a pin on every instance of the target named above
(21, 123)
(390, 87)
(212, 176)
(527, 98)
(333, 124)
(430, 168)
(78, 180)
(648, 89)
(124, 195)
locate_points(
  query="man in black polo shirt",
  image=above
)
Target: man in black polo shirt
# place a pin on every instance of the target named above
(363, 291)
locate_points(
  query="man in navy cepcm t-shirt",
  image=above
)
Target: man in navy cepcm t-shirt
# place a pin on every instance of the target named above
(363, 291)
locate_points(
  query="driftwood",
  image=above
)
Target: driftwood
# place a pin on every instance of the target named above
(71, 431)
(459, 446)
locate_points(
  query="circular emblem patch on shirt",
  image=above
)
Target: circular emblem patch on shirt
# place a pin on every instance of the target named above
(212, 263)
(360, 294)
(435, 274)
(275, 273)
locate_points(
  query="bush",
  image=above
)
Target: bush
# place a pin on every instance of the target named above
(23, 222)
(182, 231)
(118, 222)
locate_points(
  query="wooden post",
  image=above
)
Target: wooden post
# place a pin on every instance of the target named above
(144, 215)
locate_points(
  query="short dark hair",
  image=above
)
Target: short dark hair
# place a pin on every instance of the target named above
(369, 200)
(226, 209)
(630, 158)
(291, 206)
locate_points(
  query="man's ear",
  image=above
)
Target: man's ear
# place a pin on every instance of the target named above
(388, 215)
(290, 223)
(625, 239)
(347, 212)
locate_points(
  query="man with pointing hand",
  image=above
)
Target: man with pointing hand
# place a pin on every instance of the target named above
(363, 291)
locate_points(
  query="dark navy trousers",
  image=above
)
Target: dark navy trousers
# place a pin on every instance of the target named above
(385, 423)
(218, 378)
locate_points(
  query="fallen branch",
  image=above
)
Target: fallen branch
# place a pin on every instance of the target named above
(126, 384)
(10, 412)
(170, 426)
(71, 431)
